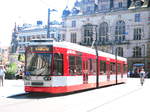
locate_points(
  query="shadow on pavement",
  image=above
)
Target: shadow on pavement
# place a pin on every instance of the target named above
(49, 95)
(43, 95)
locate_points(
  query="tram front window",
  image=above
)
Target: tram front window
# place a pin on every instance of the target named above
(38, 63)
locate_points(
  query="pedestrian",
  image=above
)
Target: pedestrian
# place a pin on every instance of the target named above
(142, 76)
(2, 75)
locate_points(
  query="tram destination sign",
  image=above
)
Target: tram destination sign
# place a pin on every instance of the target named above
(41, 48)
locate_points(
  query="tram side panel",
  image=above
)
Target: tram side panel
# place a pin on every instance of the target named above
(68, 81)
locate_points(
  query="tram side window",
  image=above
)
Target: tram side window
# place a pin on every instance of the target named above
(90, 69)
(112, 68)
(119, 68)
(72, 65)
(79, 65)
(58, 64)
(102, 67)
(124, 68)
(89, 66)
(92, 66)
(75, 65)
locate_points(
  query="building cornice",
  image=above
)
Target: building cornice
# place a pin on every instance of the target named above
(108, 13)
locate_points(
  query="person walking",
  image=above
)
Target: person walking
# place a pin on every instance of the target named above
(2, 75)
(142, 76)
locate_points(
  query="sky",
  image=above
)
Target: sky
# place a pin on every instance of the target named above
(27, 11)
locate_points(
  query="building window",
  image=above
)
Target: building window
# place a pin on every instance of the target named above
(88, 30)
(24, 39)
(38, 37)
(63, 37)
(52, 35)
(149, 32)
(28, 38)
(104, 5)
(137, 33)
(149, 18)
(88, 9)
(120, 51)
(73, 37)
(103, 32)
(63, 24)
(20, 39)
(73, 23)
(43, 36)
(88, 33)
(120, 4)
(120, 31)
(137, 18)
(137, 51)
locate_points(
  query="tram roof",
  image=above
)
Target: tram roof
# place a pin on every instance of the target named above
(86, 50)
(79, 48)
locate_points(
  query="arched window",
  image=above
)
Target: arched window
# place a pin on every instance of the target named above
(103, 32)
(137, 52)
(120, 31)
(120, 51)
(88, 33)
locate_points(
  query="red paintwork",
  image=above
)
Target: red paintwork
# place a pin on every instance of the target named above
(85, 57)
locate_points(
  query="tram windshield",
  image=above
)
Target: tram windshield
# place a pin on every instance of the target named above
(38, 63)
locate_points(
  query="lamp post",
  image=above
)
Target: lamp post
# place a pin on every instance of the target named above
(116, 53)
(48, 23)
(144, 56)
(96, 50)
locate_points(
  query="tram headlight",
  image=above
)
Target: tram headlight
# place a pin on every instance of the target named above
(27, 78)
(47, 78)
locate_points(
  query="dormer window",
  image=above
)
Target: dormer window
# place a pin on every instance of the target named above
(138, 3)
(137, 18)
(88, 9)
(120, 4)
(73, 23)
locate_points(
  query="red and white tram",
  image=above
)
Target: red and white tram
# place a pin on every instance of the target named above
(60, 67)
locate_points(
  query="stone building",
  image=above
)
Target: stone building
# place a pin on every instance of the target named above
(22, 35)
(115, 26)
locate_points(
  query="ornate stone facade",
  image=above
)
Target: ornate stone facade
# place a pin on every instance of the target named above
(114, 25)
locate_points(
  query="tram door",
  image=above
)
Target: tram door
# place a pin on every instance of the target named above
(85, 71)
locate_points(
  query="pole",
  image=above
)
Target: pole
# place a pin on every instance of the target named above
(144, 56)
(48, 24)
(97, 77)
(96, 50)
(116, 64)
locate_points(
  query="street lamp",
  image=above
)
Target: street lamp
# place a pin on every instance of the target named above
(48, 23)
(144, 55)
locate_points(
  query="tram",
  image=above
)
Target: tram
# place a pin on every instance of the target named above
(60, 67)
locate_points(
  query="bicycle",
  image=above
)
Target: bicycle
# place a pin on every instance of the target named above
(142, 76)
(142, 80)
